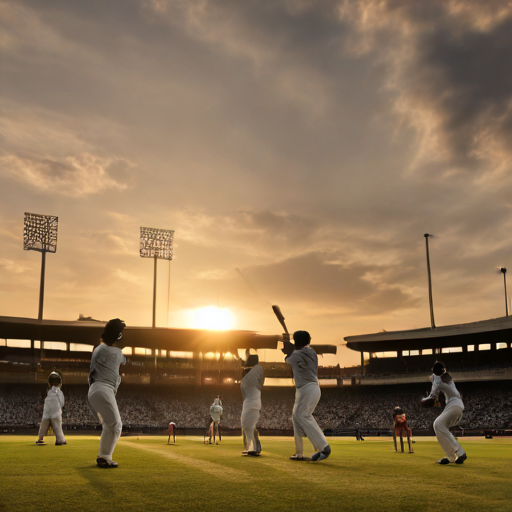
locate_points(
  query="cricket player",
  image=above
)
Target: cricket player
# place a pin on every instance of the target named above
(172, 432)
(104, 379)
(399, 427)
(52, 412)
(304, 362)
(252, 382)
(442, 382)
(216, 411)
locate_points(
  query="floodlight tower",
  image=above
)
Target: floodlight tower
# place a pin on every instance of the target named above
(156, 243)
(40, 234)
(503, 270)
(432, 322)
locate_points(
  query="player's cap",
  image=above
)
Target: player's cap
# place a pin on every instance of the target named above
(113, 331)
(54, 379)
(438, 368)
(301, 338)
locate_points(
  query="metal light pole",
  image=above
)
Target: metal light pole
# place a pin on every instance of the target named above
(40, 234)
(156, 244)
(432, 322)
(503, 270)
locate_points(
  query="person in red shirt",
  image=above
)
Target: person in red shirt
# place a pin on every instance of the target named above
(172, 432)
(399, 426)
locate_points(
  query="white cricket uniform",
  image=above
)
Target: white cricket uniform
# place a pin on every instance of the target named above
(104, 379)
(52, 413)
(216, 412)
(304, 363)
(450, 417)
(251, 386)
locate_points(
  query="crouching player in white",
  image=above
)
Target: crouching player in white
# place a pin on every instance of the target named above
(104, 379)
(52, 412)
(442, 382)
(216, 411)
(252, 382)
(304, 362)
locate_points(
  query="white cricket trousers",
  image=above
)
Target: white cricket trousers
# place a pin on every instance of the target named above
(306, 399)
(450, 417)
(249, 420)
(102, 402)
(57, 428)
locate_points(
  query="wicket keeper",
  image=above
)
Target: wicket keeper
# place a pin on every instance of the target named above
(399, 427)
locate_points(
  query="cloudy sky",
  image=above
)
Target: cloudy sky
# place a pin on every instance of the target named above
(309, 144)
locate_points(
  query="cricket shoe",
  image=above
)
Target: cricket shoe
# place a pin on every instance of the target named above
(245, 452)
(104, 463)
(40, 443)
(461, 459)
(61, 444)
(443, 461)
(299, 457)
(253, 453)
(321, 455)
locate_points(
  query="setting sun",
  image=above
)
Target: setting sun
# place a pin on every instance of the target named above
(214, 318)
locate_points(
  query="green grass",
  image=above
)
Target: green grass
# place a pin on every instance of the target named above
(154, 476)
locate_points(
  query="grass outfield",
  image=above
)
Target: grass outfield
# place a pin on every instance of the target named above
(154, 476)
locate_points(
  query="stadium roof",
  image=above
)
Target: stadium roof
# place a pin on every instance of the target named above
(485, 331)
(164, 338)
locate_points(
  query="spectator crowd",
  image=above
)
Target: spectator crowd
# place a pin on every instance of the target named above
(488, 406)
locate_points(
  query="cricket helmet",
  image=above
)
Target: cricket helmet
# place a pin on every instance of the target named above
(438, 368)
(113, 331)
(397, 410)
(54, 379)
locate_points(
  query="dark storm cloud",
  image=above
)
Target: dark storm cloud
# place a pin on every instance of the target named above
(447, 61)
(464, 76)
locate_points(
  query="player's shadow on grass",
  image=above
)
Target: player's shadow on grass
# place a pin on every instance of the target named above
(96, 477)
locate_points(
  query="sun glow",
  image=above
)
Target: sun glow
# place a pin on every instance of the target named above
(213, 318)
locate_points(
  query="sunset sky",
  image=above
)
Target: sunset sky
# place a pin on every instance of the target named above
(309, 144)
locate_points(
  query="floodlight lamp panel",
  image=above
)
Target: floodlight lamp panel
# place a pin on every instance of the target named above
(40, 232)
(156, 243)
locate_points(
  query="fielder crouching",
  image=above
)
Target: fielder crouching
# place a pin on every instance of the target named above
(104, 379)
(442, 382)
(304, 362)
(252, 382)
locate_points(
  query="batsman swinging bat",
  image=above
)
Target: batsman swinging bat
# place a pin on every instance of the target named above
(280, 317)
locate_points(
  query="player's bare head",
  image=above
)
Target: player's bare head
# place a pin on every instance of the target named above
(301, 339)
(438, 368)
(252, 360)
(54, 379)
(113, 331)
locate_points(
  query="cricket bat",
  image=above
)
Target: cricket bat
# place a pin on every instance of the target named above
(280, 317)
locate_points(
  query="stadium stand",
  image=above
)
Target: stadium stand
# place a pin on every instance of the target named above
(152, 407)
